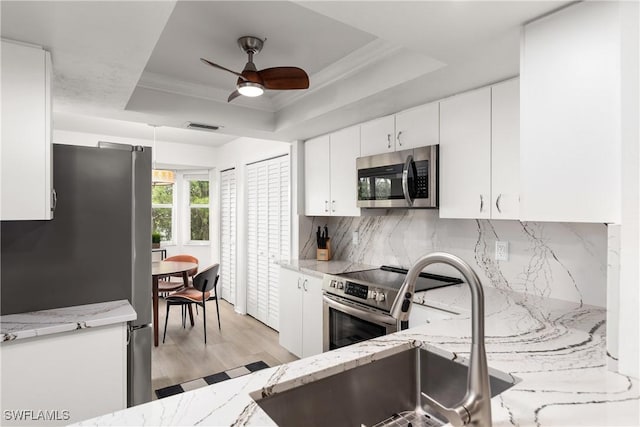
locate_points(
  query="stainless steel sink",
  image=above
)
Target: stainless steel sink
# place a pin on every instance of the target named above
(383, 392)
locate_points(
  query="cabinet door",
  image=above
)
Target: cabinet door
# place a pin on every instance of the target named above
(317, 165)
(312, 316)
(377, 136)
(26, 172)
(291, 311)
(345, 149)
(505, 150)
(465, 155)
(228, 235)
(570, 115)
(418, 127)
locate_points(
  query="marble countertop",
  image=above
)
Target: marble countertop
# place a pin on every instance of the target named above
(556, 349)
(38, 323)
(320, 268)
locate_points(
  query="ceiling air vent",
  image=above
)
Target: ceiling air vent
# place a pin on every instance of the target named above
(201, 126)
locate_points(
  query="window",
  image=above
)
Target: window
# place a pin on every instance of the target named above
(198, 211)
(162, 211)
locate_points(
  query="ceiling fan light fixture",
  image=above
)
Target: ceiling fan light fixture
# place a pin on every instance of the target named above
(250, 89)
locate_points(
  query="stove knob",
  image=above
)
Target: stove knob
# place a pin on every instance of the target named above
(340, 285)
(380, 297)
(332, 284)
(370, 295)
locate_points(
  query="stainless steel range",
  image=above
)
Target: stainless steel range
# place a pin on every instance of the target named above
(357, 304)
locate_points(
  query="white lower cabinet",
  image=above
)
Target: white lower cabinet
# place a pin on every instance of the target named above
(300, 313)
(72, 376)
(422, 314)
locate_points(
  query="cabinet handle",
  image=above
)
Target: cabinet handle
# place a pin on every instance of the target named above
(298, 282)
(498, 203)
(326, 206)
(398, 138)
(304, 285)
(481, 203)
(333, 206)
(54, 199)
(388, 140)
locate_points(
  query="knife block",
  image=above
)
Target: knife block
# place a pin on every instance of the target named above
(324, 254)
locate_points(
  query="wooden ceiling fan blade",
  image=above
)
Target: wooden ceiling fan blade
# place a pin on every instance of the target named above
(284, 78)
(233, 95)
(222, 68)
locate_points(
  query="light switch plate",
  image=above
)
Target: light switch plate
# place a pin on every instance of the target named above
(354, 238)
(502, 251)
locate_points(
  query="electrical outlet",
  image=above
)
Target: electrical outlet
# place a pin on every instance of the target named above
(354, 238)
(502, 251)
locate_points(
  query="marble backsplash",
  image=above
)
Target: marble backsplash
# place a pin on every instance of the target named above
(567, 261)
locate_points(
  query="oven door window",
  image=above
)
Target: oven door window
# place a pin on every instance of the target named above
(345, 329)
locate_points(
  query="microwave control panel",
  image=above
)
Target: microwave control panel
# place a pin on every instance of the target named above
(422, 179)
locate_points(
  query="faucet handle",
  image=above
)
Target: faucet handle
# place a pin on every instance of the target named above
(459, 416)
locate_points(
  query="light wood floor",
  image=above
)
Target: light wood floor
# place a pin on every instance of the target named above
(185, 357)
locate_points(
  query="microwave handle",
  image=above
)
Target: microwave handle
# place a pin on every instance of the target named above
(405, 180)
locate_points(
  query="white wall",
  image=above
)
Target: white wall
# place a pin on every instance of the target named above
(238, 154)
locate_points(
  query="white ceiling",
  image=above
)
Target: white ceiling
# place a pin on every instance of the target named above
(139, 61)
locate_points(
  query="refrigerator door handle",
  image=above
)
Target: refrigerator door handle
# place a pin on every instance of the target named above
(131, 328)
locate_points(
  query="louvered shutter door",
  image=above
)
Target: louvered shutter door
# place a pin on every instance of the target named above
(228, 235)
(268, 214)
(252, 239)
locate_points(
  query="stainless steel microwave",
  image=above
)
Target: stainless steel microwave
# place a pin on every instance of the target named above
(402, 179)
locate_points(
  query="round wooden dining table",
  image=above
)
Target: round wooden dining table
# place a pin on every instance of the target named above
(163, 269)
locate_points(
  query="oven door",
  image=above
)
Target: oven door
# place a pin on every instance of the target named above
(346, 323)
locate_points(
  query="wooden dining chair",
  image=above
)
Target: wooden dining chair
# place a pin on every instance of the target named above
(176, 281)
(203, 284)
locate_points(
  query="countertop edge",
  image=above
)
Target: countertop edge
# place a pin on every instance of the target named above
(19, 326)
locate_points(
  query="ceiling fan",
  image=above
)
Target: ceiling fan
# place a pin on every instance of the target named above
(252, 82)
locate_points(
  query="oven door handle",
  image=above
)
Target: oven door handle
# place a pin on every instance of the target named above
(405, 180)
(380, 319)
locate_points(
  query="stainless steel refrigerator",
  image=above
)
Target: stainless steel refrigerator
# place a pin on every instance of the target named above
(96, 248)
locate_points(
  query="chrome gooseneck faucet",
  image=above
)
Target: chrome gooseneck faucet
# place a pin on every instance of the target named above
(475, 407)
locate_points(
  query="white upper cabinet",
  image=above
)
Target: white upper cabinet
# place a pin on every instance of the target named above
(570, 115)
(505, 150)
(331, 181)
(377, 136)
(479, 153)
(412, 128)
(465, 155)
(418, 127)
(345, 149)
(317, 176)
(26, 168)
